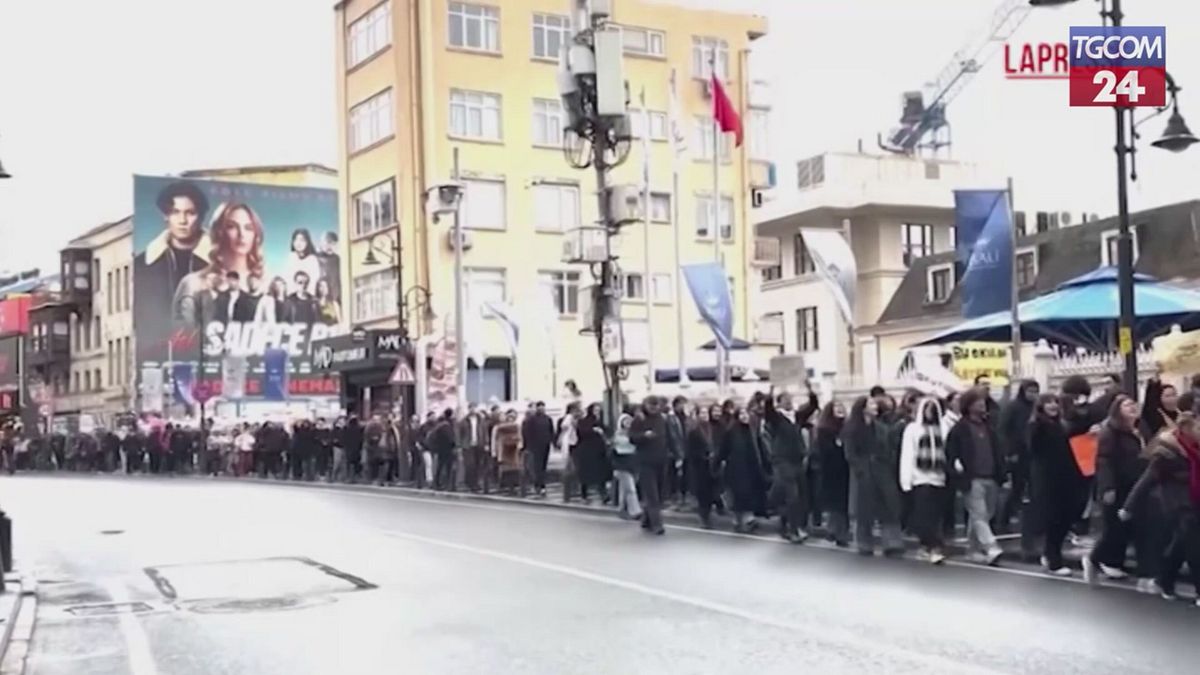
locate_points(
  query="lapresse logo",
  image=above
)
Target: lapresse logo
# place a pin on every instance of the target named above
(1118, 67)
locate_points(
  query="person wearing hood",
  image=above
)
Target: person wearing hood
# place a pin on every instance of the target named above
(741, 465)
(1172, 480)
(789, 458)
(974, 446)
(1014, 436)
(1056, 484)
(874, 465)
(923, 474)
(834, 492)
(1118, 468)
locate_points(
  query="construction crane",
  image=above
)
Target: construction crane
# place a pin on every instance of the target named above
(923, 124)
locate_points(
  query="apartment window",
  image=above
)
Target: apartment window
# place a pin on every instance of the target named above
(807, 336)
(77, 336)
(112, 363)
(555, 207)
(485, 285)
(123, 289)
(661, 288)
(1026, 264)
(917, 241)
(484, 205)
(643, 41)
(87, 380)
(759, 134)
(772, 273)
(1043, 221)
(1021, 224)
(375, 295)
(128, 361)
(939, 283)
(548, 122)
(369, 34)
(108, 291)
(371, 121)
(704, 217)
(563, 290)
(702, 51)
(96, 334)
(633, 286)
(375, 208)
(75, 381)
(474, 27)
(1108, 250)
(704, 140)
(801, 259)
(658, 122)
(810, 172)
(95, 275)
(96, 379)
(475, 115)
(551, 33)
(660, 207)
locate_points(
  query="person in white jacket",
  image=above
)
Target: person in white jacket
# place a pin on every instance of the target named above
(923, 473)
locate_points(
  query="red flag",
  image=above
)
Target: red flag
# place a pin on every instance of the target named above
(724, 112)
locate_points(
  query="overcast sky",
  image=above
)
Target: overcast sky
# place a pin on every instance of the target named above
(162, 86)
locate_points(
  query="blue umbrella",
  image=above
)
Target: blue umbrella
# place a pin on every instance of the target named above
(1083, 312)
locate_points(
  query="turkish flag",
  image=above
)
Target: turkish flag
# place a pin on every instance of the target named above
(724, 112)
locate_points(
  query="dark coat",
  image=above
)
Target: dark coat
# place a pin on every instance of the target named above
(304, 442)
(591, 453)
(649, 436)
(1058, 488)
(1155, 418)
(442, 440)
(1014, 425)
(1166, 478)
(788, 449)
(675, 437)
(537, 432)
(874, 462)
(1118, 461)
(742, 468)
(960, 447)
(834, 492)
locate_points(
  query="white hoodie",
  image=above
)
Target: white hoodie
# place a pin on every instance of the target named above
(912, 475)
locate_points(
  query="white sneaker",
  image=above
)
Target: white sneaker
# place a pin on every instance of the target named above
(993, 556)
(1089, 571)
(923, 555)
(1114, 573)
(937, 557)
(1149, 587)
(1063, 571)
(1198, 602)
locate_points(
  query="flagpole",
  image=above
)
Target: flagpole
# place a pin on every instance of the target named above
(715, 223)
(1016, 295)
(647, 280)
(675, 276)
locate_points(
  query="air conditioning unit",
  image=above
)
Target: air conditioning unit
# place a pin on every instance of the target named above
(766, 252)
(1065, 218)
(625, 204)
(586, 245)
(466, 238)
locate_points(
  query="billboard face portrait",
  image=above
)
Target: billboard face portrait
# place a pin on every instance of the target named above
(235, 269)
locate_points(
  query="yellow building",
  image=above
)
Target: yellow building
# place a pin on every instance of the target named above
(418, 79)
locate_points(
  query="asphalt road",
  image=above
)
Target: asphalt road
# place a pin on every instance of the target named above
(191, 576)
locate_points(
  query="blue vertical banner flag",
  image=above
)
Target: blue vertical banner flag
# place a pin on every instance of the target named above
(183, 376)
(985, 250)
(710, 291)
(275, 375)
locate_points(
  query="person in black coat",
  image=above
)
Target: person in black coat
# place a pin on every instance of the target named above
(591, 452)
(743, 473)
(875, 467)
(649, 436)
(1118, 467)
(1160, 408)
(1014, 436)
(834, 493)
(1057, 486)
(537, 435)
(789, 460)
(352, 441)
(699, 459)
(134, 447)
(974, 446)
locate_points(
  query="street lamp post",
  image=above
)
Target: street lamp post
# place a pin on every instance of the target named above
(1176, 138)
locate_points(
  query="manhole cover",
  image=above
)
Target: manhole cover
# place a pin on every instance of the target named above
(251, 580)
(243, 605)
(109, 608)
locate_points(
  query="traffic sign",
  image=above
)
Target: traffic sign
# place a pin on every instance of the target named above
(403, 373)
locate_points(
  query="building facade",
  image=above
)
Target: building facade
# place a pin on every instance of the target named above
(422, 80)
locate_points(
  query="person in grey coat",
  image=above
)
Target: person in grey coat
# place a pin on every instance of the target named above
(873, 465)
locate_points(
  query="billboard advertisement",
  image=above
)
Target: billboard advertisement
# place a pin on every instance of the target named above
(224, 269)
(14, 314)
(10, 372)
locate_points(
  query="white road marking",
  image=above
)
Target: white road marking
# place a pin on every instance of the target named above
(844, 638)
(137, 645)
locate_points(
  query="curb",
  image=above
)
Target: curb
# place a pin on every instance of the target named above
(18, 627)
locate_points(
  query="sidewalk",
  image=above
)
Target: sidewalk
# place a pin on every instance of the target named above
(18, 607)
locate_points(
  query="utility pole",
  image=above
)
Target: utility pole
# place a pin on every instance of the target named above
(595, 97)
(460, 352)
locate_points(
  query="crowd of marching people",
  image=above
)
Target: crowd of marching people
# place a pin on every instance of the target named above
(1046, 466)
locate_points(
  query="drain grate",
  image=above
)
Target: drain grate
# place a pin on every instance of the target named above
(109, 608)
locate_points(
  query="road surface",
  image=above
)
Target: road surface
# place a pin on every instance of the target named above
(186, 576)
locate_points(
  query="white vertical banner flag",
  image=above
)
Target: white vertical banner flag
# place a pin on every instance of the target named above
(473, 334)
(832, 256)
(233, 378)
(678, 130)
(152, 390)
